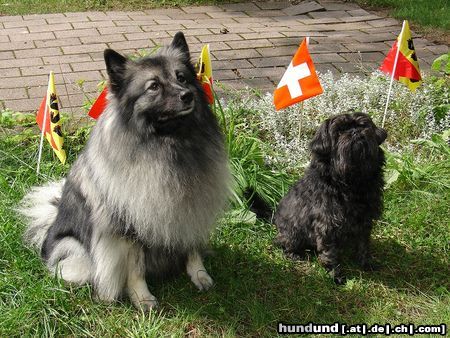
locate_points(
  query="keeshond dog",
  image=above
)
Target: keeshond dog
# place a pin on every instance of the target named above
(142, 198)
(335, 203)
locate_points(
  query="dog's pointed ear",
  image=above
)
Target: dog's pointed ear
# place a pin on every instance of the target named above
(115, 67)
(321, 142)
(179, 42)
(381, 135)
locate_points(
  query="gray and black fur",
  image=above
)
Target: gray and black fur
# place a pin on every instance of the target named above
(143, 196)
(334, 205)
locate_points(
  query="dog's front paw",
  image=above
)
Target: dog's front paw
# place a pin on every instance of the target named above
(202, 280)
(146, 305)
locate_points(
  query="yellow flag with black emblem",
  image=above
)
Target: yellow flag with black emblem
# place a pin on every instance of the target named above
(402, 60)
(204, 73)
(49, 120)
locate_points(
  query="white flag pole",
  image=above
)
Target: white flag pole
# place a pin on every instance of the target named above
(399, 40)
(300, 122)
(44, 122)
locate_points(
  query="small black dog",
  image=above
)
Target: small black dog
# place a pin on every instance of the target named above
(334, 204)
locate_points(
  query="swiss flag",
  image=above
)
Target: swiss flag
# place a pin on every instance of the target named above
(299, 82)
(99, 105)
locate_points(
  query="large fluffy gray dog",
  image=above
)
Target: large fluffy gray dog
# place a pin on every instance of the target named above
(143, 196)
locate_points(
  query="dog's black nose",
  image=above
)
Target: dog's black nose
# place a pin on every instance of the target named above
(186, 96)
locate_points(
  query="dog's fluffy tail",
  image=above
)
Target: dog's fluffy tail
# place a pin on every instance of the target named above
(39, 208)
(257, 205)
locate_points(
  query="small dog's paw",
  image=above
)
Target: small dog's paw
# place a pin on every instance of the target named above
(296, 256)
(202, 280)
(371, 266)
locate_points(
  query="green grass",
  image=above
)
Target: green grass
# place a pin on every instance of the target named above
(426, 13)
(256, 287)
(20, 7)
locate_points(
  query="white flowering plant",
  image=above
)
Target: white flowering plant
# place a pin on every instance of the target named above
(285, 134)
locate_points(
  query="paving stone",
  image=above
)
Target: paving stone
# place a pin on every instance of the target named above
(329, 14)
(232, 64)
(6, 55)
(339, 6)
(24, 82)
(363, 56)
(50, 28)
(273, 4)
(94, 24)
(236, 54)
(55, 60)
(249, 44)
(358, 12)
(366, 47)
(20, 62)
(201, 9)
(278, 51)
(360, 18)
(364, 37)
(37, 52)
(273, 61)
(384, 23)
(100, 39)
(243, 7)
(9, 72)
(31, 36)
(16, 45)
(79, 49)
(438, 49)
(75, 33)
(22, 105)
(23, 23)
(327, 48)
(45, 69)
(347, 67)
(304, 7)
(328, 58)
(14, 93)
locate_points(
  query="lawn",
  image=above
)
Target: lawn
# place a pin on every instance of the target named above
(256, 286)
(425, 13)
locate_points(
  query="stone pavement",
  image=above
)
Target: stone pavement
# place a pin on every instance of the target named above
(251, 44)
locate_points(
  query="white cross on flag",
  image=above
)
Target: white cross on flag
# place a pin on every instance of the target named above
(299, 82)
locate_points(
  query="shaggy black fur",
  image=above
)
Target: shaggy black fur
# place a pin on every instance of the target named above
(334, 205)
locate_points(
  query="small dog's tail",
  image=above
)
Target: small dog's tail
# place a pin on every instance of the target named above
(39, 208)
(257, 205)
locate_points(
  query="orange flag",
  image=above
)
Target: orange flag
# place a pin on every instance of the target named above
(99, 105)
(49, 120)
(299, 82)
(402, 60)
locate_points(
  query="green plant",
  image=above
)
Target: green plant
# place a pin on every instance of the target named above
(442, 64)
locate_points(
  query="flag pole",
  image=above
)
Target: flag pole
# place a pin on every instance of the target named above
(300, 122)
(393, 74)
(41, 143)
(44, 123)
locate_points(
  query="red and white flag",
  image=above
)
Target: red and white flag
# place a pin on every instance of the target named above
(299, 82)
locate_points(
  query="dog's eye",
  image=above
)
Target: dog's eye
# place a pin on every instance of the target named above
(152, 85)
(181, 78)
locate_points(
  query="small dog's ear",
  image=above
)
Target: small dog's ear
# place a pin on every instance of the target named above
(179, 42)
(321, 142)
(381, 135)
(115, 67)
